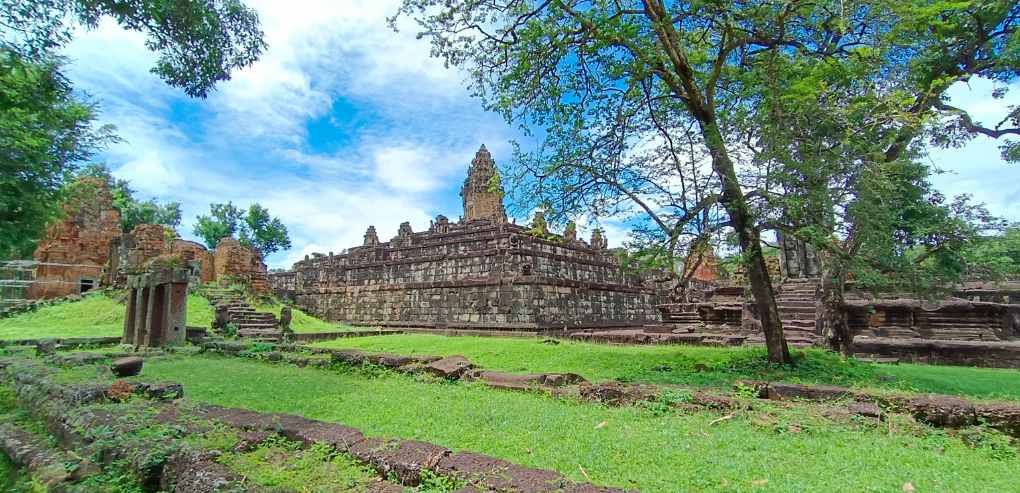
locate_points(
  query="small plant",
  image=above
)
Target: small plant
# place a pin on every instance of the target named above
(667, 400)
(120, 390)
(230, 330)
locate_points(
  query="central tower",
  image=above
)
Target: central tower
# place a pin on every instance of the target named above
(482, 192)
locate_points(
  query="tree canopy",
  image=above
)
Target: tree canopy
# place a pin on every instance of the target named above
(631, 97)
(133, 211)
(254, 227)
(47, 131)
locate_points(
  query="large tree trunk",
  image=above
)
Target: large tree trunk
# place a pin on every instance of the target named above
(831, 313)
(749, 236)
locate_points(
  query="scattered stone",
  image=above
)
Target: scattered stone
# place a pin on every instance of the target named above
(550, 341)
(126, 367)
(190, 472)
(865, 409)
(347, 357)
(451, 367)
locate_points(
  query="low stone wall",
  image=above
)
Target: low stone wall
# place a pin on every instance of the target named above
(941, 352)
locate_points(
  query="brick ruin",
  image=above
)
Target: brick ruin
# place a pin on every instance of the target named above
(88, 250)
(71, 257)
(481, 272)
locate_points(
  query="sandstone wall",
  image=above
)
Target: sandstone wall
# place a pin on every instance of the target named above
(475, 275)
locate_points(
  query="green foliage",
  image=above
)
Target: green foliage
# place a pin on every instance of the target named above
(254, 227)
(995, 257)
(45, 133)
(87, 181)
(199, 43)
(222, 222)
(99, 314)
(267, 234)
(282, 464)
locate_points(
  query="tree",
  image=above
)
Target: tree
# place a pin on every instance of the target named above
(607, 81)
(222, 222)
(45, 132)
(265, 234)
(254, 228)
(849, 138)
(199, 42)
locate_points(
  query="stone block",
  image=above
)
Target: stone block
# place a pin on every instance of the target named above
(126, 367)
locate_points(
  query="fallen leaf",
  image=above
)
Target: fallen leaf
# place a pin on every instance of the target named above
(907, 487)
(601, 425)
(760, 482)
(724, 483)
(585, 473)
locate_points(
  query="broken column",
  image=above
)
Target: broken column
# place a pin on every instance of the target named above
(157, 307)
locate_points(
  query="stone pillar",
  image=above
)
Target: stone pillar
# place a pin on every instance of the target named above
(129, 319)
(157, 311)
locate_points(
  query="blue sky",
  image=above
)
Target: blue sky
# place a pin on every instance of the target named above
(344, 123)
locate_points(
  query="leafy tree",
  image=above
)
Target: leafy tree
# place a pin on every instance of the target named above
(222, 222)
(996, 257)
(45, 132)
(621, 87)
(199, 42)
(254, 227)
(266, 234)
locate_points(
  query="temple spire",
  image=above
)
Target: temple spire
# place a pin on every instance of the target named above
(482, 192)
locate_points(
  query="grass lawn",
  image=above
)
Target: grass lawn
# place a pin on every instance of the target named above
(773, 448)
(96, 315)
(692, 365)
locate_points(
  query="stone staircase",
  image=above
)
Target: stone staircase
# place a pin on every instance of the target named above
(249, 322)
(796, 302)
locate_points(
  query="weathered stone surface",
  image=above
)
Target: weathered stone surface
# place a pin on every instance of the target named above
(480, 273)
(1003, 416)
(161, 391)
(781, 391)
(402, 459)
(340, 437)
(348, 356)
(560, 379)
(942, 410)
(190, 472)
(451, 367)
(616, 393)
(865, 409)
(492, 474)
(126, 367)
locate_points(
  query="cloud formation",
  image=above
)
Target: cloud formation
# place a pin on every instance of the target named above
(345, 123)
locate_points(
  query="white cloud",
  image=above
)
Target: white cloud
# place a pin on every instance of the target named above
(977, 168)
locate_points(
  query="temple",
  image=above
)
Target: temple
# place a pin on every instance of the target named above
(481, 272)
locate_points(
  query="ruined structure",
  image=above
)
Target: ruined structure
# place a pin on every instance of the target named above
(71, 257)
(87, 250)
(479, 273)
(157, 307)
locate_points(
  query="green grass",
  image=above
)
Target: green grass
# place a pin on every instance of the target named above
(773, 448)
(281, 464)
(693, 365)
(96, 315)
